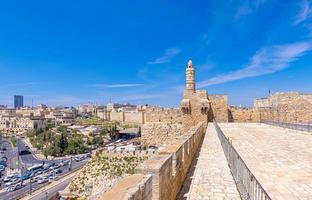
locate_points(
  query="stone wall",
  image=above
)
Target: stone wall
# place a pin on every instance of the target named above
(117, 116)
(156, 133)
(169, 169)
(219, 105)
(102, 114)
(288, 107)
(243, 115)
(134, 117)
(129, 117)
(134, 187)
(262, 103)
(193, 104)
(158, 114)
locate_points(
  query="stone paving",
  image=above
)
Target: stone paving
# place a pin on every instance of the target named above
(212, 178)
(281, 159)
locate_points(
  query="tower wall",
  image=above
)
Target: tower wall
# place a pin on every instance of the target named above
(195, 105)
(190, 79)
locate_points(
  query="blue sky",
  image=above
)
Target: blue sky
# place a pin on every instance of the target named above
(73, 52)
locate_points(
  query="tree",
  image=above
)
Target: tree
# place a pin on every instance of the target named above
(113, 132)
(140, 132)
(47, 152)
(63, 143)
(44, 137)
(76, 145)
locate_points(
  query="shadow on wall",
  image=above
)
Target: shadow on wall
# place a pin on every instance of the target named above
(210, 114)
(230, 114)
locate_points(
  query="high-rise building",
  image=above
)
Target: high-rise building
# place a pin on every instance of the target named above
(18, 101)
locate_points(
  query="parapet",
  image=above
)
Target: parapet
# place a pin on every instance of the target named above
(136, 186)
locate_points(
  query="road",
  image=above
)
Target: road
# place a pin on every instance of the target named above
(49, 192)
(10, 153)
(34, 186)
(27, 161)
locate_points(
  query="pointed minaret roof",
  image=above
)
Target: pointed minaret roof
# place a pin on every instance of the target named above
(190, 63)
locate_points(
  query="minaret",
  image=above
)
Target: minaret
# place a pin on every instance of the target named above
(190, 77)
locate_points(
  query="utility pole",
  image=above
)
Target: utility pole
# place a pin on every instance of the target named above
(70, 165)
(46, 194)
(30, 186)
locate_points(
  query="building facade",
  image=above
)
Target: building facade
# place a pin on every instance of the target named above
(18, 101)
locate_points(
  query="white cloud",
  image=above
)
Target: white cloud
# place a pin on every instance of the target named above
(171, 52)
(116, 85)
(305, 12)
(267, 60)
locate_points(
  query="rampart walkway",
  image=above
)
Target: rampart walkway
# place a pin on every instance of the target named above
(212, 177)
(281, 159)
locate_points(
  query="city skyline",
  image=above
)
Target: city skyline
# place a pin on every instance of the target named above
(99, 52)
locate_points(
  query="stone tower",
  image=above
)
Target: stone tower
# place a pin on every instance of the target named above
(195, 105)
(190, 77)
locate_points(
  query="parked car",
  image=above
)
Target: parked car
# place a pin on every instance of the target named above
(12, 182)
(39, 172)
(10, 189)
(24, 152)
(79, 158)
(64, 162)
(51, 179)
(2, 168)
(35, 179)
(11, 177)
(58, 171)
(42, 180)
(5, 159)
(9, 184)
(18, 186)
(56, 166)
(3, 162)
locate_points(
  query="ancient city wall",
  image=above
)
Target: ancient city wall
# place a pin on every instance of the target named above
(219, 105)
(134, 117)
(156, 133)
(243, 115)
(261, 103)
(172, 115)
(287, 107)
(134, 187)
(117, 116)
(102, 114)
(129, 117)
(169, 168)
